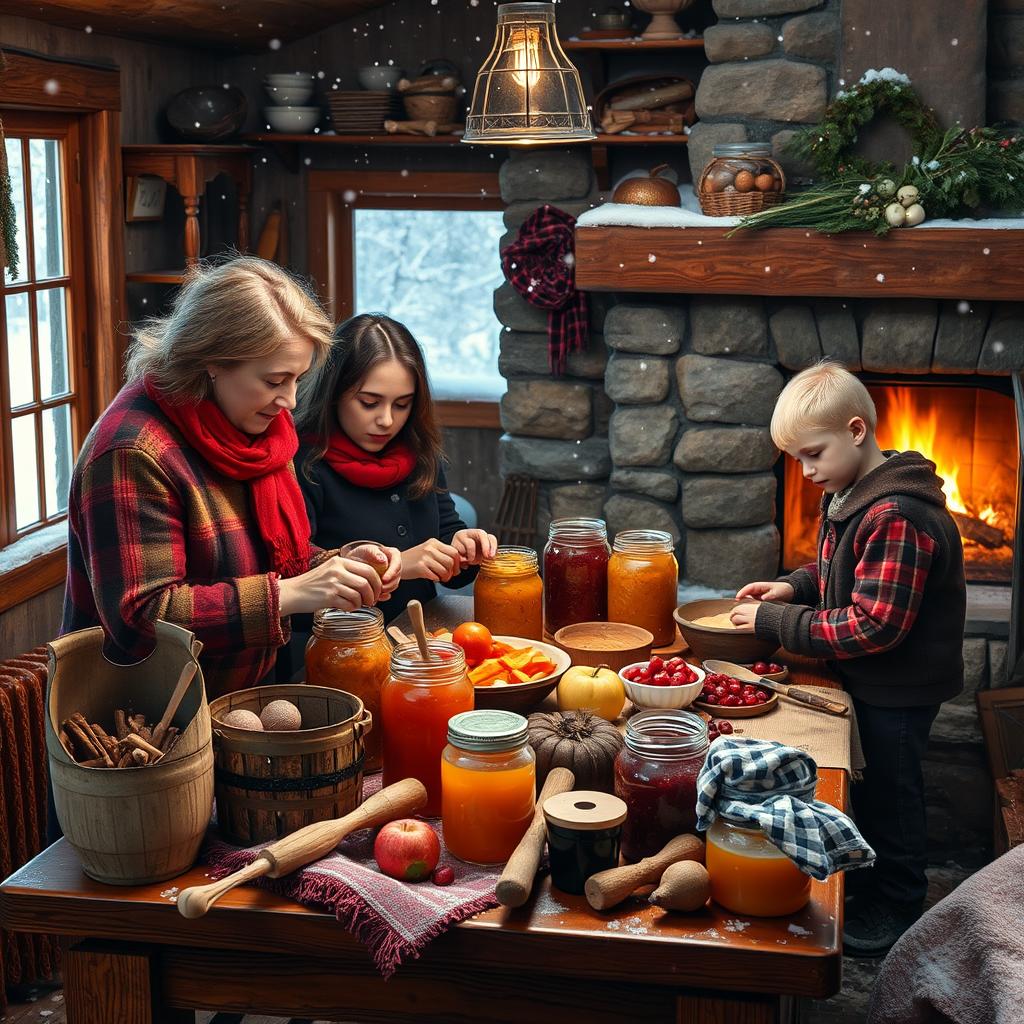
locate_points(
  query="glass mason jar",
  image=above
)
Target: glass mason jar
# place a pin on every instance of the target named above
(488, 781)
(751, 875)
(656, 775)
(575, 573)
(741, 173)
(508, 595)
(416, 701)
(349, 651)
(643, 577)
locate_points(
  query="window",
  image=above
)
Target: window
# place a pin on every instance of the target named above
(42, 407)
(423, 248)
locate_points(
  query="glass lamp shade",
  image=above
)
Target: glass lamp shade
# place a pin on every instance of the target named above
(527, 91)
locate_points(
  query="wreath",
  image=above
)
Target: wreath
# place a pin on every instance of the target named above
(829, 144)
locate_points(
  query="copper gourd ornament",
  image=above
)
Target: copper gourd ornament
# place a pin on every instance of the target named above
(653, 190)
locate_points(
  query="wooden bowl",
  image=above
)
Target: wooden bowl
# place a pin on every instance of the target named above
(752, 711)
(523, 697)
(615, 644)
(726, 644)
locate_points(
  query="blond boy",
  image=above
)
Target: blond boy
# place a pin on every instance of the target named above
(886, 601)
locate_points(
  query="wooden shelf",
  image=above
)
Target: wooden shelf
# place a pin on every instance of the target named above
(381, 139)
(636, 43)
(155, 276)
(934, 263)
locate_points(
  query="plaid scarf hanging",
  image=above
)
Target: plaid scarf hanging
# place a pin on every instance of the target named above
(539, 264)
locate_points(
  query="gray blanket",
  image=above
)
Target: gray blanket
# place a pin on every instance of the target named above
(963, 962)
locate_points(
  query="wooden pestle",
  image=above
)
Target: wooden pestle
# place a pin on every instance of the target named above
(607, 888)
(516, 880)
(160, 730)
(415, 610)
(309, 844)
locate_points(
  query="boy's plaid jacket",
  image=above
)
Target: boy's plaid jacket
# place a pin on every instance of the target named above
(154, 532)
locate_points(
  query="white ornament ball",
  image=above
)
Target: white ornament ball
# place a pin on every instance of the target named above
(915, 214)
(281, 716)
(242, 719)
(895, 215)
(907, 195)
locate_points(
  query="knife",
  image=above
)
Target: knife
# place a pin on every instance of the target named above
(812, 700)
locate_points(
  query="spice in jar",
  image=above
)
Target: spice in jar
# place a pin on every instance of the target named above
(488, 780)
(643, 578)
(349, 651)
(417, 700)
(584, 833)
(508, 595)
(656, 775)
(575, 573)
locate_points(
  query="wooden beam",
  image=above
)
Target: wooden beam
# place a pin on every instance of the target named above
(935, 263)
(80, 86)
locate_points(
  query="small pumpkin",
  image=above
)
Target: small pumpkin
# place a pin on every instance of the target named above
(579, 741)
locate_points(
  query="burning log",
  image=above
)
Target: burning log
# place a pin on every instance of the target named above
(978, 531)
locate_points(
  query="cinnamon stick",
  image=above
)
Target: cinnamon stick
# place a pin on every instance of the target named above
(82, 731)
(65, 742)
(120, 724)
(108, 742)
(133, 739)
(125, 759)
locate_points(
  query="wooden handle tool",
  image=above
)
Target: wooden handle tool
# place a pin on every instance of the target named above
(309, 844)
(398, 636)
(794, 693)
(516, 880)
(607, 888)
(415, 610)
(187, 673)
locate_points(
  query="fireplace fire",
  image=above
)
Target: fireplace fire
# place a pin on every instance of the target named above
(970, 434)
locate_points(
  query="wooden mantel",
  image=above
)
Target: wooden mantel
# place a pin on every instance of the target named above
(935, 263)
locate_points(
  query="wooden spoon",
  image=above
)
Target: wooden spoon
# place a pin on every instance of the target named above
(398, 636)
(798, 696)
(415, 610)
(187, 672)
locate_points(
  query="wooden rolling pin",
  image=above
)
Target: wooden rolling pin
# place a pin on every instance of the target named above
(309, 844)
(516, 880)
(607, 888)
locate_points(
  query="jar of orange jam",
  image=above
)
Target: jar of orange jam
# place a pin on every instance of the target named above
(643, 577)
(751, 875)
(349, 651)
(416, 701)
(508, 595)
(488, 780)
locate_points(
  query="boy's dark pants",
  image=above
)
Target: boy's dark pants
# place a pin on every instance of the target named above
(889, 803)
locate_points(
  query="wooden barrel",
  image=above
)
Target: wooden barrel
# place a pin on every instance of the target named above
(269, 784)
(131, 826)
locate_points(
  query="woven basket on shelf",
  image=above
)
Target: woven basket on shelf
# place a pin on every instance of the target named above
(431, 106)
(739, 204)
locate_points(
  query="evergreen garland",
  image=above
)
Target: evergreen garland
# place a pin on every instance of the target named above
(8, 223)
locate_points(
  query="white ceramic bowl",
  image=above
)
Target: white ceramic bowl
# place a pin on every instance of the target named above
(293, 119)
(294, 94)
(643, 695)
(379, 78)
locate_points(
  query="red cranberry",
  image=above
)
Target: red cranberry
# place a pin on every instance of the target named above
(735, 687)
(725, 728)
(443, 876)
(761, 696)
(761, 668)
(656, 664)
(750, 700)
(775, 668)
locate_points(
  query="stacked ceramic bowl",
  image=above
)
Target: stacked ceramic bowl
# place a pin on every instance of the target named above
(290, 95)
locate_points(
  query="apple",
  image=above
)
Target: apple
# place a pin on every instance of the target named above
(407, 849)
(598, 688)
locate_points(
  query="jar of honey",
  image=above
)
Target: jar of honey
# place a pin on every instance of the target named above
(349, 651)
(508, 595)
(643, 577)
(656, 775)
(416, 701)
(488, 780)
(751, 875)
(575, 573)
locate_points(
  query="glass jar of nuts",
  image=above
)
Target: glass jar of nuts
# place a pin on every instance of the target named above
(741, 178)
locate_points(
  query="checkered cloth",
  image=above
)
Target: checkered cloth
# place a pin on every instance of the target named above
(768, 786)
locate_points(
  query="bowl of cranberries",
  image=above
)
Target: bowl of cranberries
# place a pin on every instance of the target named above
(769, 669)
(662, 682)
(725, 697)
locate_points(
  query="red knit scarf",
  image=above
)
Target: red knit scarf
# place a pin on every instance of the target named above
(364, 469)
(264, 461)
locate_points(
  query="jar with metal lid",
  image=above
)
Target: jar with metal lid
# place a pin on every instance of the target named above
(488, 781)
(508, 595)
(656, 775)
(416, 702)
(575, 573)
(750, 874)
(741, 178)
(349, 651)
(643, 578)
(584, 832)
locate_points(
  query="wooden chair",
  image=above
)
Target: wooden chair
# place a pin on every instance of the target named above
(1002, 724)
(515, 522)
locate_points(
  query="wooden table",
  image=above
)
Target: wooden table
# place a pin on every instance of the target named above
(135, 960)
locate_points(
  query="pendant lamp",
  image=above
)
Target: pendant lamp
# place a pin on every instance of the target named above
(527, 91)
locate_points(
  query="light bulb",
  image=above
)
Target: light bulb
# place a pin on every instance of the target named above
(524, 50)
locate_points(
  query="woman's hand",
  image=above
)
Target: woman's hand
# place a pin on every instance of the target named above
(431, 560)
(743, 616)
(343, 583)
(474, 546)
(385, 561)
(768, 591)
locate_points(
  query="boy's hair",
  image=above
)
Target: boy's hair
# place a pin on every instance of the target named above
(825, 396)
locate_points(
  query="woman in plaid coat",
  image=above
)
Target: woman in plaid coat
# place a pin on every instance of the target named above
(184, 504)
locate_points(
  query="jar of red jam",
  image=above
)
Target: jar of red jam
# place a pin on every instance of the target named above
(656, 775)
(575, 573)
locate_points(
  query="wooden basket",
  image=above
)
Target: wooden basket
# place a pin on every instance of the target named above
(431, 106)
(131, 826)
(269, 784)
(739, 204)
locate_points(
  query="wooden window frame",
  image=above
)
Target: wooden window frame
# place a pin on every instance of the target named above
(91, 94)
(332, 235)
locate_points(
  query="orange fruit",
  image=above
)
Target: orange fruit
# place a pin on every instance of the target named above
(475, 639)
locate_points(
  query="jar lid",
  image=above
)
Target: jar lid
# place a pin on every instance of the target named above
(585, 810)
(487, 730)
(742, 149)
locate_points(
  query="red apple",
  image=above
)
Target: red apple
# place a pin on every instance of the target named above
(407, 849)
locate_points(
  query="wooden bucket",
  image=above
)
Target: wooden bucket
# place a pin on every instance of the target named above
(269, 784)
(131, 826)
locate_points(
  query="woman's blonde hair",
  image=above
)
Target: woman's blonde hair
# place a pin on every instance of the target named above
(825, 396)
(226, 313)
